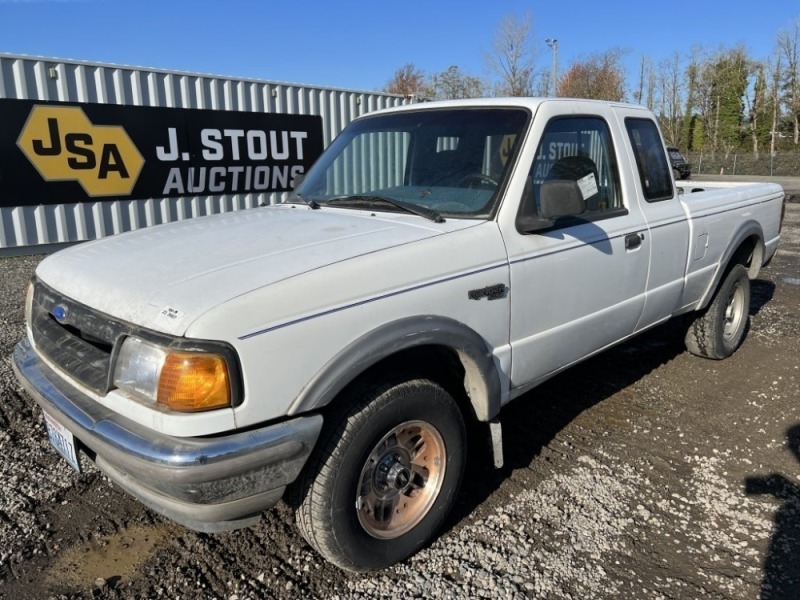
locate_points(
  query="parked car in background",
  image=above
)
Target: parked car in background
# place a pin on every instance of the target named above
(680, 168)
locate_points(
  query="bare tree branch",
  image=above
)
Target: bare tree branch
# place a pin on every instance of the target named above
(513, 56)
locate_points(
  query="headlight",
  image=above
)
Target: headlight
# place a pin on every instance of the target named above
(175, 379)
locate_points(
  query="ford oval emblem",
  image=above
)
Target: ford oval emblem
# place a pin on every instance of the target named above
(60, 313)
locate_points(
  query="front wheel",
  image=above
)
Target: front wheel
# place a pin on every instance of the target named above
(717, 332)
(384, 473)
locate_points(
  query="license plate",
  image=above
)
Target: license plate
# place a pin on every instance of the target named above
(63, 441)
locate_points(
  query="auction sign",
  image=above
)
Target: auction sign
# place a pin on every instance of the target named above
(57, 153)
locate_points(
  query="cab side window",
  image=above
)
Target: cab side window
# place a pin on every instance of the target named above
(654, 172)
(580, 150)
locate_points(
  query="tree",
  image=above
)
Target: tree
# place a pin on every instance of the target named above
(721, 85)
(601, 77)
(453, 84)
(407, 81)
(544, 85)
(669, 106)
(760, 112)
(776, 84)
(789, 46)
(645, 95)
(690, 132)
(730, 83)
(512, 56)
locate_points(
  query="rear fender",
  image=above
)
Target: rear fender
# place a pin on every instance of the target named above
(746, 230)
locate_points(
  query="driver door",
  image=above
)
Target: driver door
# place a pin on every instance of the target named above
(578, 284)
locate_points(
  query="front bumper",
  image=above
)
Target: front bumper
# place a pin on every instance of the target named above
(208, 484)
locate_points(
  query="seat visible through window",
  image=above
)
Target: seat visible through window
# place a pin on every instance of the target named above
(576, 168)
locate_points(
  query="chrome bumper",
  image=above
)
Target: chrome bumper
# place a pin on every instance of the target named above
(207, 484)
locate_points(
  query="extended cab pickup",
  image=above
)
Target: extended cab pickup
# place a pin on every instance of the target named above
(438, 261)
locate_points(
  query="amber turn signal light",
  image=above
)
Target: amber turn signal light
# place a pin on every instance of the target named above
(193, 382)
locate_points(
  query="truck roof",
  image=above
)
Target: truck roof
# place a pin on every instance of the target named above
(531, 103)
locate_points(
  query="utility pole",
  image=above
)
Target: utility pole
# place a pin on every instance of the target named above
(553, 43)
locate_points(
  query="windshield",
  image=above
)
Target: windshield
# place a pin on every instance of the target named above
(450, 161)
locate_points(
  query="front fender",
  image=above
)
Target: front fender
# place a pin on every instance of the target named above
(482, 381)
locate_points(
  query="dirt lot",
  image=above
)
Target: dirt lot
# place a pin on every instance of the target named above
(642, 473)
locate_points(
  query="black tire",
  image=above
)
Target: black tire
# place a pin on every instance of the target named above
(719, 330)
(375, 489)
(676, 174)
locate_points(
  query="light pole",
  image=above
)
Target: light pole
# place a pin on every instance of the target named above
(553, 43)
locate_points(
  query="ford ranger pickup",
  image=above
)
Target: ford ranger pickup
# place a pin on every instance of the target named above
(437, 262)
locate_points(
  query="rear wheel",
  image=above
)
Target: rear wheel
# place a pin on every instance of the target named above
(719, 330)
(384, 474)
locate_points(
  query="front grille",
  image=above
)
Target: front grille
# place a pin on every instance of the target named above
(80, 341)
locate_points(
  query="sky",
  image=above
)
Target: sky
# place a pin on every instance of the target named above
(359, 45)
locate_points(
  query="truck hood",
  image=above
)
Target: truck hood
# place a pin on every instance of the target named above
(164, 277)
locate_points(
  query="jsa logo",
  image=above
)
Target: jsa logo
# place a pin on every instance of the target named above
(64, 145)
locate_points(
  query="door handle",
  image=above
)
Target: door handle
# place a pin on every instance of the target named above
(633, 240)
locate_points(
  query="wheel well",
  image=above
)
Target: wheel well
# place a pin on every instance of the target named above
(750, 253)
(437, 363)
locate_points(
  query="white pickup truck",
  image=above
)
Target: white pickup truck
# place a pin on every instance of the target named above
(438, 261)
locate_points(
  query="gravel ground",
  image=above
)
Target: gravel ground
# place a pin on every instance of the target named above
(642, 473)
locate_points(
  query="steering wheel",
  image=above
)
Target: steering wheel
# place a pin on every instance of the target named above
(478, 178)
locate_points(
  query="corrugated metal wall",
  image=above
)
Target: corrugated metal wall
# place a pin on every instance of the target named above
(35, 78)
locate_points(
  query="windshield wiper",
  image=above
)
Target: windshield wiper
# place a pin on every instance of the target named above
(310, 201)
(416, 209)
